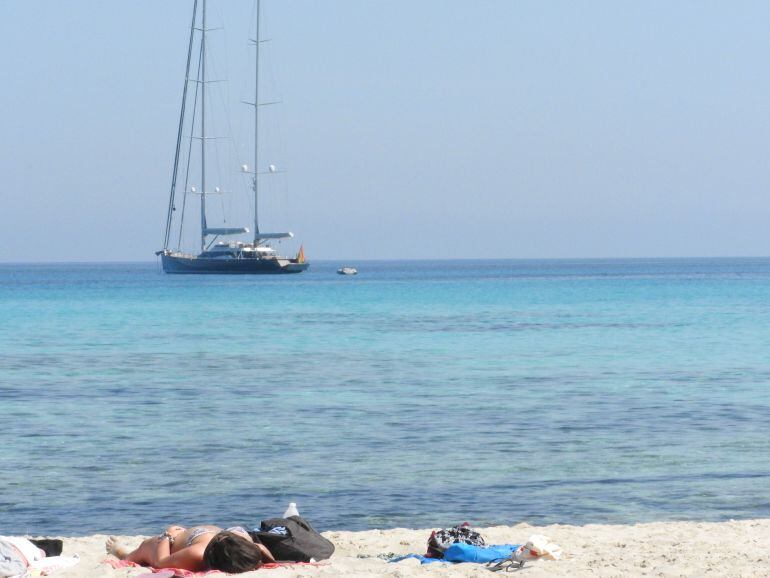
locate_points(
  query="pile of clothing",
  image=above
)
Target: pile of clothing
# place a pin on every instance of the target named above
(21, 557)
(463, 544)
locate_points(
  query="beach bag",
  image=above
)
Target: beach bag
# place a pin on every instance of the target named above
(440, 540)
(292, 539)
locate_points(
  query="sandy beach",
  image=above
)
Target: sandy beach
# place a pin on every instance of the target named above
(727, 549)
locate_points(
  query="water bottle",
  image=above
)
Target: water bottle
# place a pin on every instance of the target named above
(291, 510)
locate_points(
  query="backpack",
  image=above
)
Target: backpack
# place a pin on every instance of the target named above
(441, 540)
(292, 539)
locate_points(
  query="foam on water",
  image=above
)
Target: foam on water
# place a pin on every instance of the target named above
(415, 394)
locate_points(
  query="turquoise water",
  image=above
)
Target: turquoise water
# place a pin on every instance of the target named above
(415, 394)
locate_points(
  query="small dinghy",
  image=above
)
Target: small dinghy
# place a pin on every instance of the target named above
(347, 271)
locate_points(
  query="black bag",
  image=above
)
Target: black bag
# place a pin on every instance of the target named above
(292, 539)
(51, 546)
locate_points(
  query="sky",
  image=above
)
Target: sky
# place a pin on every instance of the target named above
(429, 129)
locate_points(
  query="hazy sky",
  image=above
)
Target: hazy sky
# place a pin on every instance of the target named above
(411, 129)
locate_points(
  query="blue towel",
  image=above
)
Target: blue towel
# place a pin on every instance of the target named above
(468, 553)
(422, 559)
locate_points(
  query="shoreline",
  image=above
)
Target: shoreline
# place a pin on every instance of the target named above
(725, 549)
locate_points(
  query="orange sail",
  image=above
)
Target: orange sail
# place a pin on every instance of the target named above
(301, 254)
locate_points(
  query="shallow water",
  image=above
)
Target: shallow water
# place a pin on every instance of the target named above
(414, 394)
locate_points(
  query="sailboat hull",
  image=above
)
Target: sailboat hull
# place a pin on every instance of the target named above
(184, 264)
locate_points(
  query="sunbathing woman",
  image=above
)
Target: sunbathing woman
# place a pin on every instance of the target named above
(197, 549)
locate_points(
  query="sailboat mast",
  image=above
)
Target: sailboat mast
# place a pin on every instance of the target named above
(203, 128)
(256, 130)
(175, 172)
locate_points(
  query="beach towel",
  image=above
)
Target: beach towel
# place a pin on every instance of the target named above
(458, 553)
(173, 572)
(158, 572)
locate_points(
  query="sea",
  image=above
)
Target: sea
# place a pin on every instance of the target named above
(416, 394)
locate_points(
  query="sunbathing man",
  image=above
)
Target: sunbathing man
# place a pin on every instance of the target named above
(197, 549)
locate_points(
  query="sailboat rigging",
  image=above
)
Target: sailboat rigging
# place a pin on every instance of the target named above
(253, 256)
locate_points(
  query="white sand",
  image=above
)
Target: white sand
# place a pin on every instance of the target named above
(658, 549)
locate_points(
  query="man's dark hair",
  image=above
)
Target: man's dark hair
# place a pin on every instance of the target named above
(231, 553)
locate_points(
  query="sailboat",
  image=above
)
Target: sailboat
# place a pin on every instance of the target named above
(249, 251)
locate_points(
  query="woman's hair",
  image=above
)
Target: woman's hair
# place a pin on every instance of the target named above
(231, 553)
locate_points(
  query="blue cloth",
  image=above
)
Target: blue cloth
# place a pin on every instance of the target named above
(422, 559)
(468, 553)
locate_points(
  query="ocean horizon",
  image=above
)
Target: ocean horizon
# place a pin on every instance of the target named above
(355, 260)
(417, 393)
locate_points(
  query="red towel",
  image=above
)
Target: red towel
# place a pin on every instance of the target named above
(160, 572)
(170, 572)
